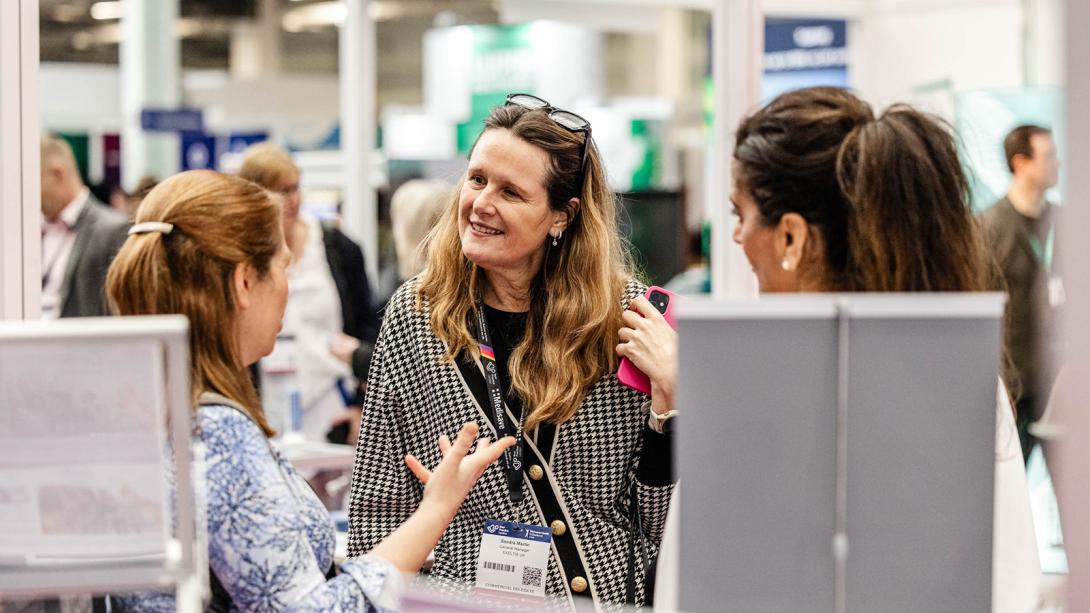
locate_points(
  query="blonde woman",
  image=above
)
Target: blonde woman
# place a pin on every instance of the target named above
(209, 246)
(528, 280)
(329, 301)
(415, 207)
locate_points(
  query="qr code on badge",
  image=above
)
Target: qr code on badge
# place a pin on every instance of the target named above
(531, 576)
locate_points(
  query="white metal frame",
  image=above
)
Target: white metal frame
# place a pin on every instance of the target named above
(20, 217)
(358, 59)
(737, 66)
(188, 570)
(1074, 469)
(858, 306)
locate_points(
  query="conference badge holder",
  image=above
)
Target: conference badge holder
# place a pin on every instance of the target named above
(514, 558)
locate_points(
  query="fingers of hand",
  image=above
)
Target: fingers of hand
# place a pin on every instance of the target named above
(483, 443)
(644, 307)
(493, 452)
(465, 439)
(631, 319)
(417, 468)
(444, 444)
(622, 350)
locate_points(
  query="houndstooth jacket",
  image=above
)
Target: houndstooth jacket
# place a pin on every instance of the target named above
(413, 397)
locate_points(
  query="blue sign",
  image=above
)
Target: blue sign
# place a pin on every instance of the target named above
(179, 120)
(198, 151)
(804, 53)
(805, 44)
(237, 142)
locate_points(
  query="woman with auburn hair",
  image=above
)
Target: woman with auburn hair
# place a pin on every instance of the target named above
(830, 197)
(527, 280)
(210, 247)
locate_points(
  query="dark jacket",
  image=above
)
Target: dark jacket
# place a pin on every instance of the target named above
(1028, 317)
(350, 275)
(100, 232)
(361, 321)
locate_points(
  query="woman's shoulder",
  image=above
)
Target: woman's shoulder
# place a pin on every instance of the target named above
(632, 288)
(223, 427)
(406, 300)
(405, 313)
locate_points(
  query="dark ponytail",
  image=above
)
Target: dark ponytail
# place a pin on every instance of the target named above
(888, 194)
(911, 228)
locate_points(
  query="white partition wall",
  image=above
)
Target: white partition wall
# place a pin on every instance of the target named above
(20, 238)
(1075, 419)
(136, 534)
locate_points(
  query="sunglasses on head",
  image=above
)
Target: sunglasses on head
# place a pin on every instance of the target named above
(566, 119)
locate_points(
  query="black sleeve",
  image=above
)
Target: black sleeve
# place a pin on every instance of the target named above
(361, 360)
(350, 275)
(656, 458)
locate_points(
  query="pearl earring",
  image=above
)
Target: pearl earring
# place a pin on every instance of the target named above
(786, 265)
(556, 237)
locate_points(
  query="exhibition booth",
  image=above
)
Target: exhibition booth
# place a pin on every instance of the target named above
(367, 95)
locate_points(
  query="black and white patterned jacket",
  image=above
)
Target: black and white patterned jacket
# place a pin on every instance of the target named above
(412, 398)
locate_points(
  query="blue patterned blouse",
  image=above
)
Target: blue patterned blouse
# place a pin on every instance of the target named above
(270, 540)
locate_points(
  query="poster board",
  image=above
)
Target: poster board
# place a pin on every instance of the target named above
(89, 411)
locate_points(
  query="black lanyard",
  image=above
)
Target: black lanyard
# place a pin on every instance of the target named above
(512, 457)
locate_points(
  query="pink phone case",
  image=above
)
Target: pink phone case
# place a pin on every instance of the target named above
(628, 374)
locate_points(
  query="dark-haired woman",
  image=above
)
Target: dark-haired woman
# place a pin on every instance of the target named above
(210, 247)
(830, 197)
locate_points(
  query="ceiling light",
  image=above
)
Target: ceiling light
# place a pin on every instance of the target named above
(108, 10)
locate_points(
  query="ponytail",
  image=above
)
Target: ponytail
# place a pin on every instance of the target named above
(218, 222)
(911, 227)
(888, 195)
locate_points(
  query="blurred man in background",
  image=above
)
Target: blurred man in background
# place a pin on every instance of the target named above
(80, 237)
(1020, 234)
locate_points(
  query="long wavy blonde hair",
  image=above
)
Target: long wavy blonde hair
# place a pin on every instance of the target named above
(574, 318)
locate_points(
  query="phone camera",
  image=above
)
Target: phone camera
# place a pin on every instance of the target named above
(659, 300)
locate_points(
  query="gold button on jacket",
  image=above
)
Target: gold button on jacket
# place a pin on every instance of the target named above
(579, 585)
(536, 472)
(558, 528)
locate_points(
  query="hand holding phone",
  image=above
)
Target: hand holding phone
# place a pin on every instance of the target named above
(628, 373)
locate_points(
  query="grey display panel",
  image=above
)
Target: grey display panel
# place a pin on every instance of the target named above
(757, 453)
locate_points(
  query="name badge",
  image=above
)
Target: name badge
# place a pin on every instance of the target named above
(514, 557)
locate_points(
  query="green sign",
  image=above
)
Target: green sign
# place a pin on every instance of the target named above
(502, 64)
(648, 174)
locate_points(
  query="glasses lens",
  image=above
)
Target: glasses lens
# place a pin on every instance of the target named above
(528, 101)
(570, 120)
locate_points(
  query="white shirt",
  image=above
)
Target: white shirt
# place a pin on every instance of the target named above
(313, 317)
(58, 237)
(1016, 565)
